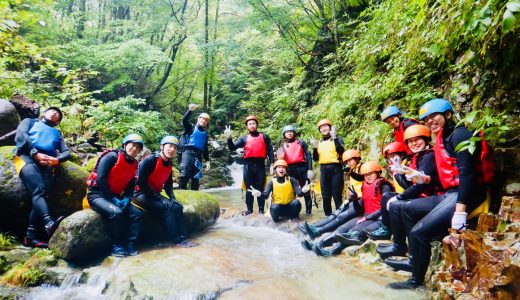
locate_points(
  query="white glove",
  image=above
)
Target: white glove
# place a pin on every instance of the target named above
(254, 192)
(208, 166)
(192, 106)
(393, 199)
(415, 176)
(306, 188)
(271, 169)
(459, 220)
(314, 143)
(333, 132)
(227, 132)
(310, 174)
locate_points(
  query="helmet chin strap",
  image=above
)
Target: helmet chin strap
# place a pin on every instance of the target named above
(49, 122)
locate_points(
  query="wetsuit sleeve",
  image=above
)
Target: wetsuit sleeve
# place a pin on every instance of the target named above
(205, 153)
(426, 165)
(23, 142)
(188, 128)
(146, 168)
(269, 147)
(168, 187)
(356, 176)
(402, 181)
(240, 143)
(296, 187)
(64, 151)
(315, 154)
(340, 146)
(129, 190)
(307, 154)
(268, 190)
(385, 188)
(106, 163)
(358, 207)
(466, 165)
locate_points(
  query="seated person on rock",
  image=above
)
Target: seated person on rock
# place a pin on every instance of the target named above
(110, 187)
(154, 175)
(351, 158)
(39, 149)
(284, 190)
(395, 155)
(394, 117)
(368, 207)
(417, 138)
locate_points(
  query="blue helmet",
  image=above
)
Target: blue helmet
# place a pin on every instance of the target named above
(435, 106)
(288, 128)
(170, 139)
(133, 138)
(390, 111)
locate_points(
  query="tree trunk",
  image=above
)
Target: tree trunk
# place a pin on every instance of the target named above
(206, 54)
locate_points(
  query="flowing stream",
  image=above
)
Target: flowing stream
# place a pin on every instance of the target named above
(231, 262)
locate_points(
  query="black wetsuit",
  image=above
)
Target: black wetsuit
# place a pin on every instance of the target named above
(331, 178)
(254, 169)
(122, 225)
(291, 210)
(169, 210)
(190, 154)
(37, 179)
(299, 171)
(431, 216)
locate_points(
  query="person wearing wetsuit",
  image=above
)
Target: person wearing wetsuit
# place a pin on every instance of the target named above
(327, 152)
(153, 176)
(110, 189)
(284, 191)
(39, 148)
(257, 147)
(194, 149)
(393, 117)
(299, 161)
(431, 216)
(367, 213)
(418, 139)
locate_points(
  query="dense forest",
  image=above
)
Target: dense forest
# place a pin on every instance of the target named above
(118, 66)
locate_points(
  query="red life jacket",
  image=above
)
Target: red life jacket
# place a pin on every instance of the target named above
(159, 175)
(446, 165)
(430, 191)
(255, 147)
(486, 166)
(293, 152)
(399, 133)
(371, 195)
(120, 174)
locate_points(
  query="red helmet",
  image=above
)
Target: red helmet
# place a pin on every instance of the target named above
(395, 147)
(252, 117)
(370, 166)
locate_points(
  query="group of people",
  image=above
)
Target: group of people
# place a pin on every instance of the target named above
(433, 187)
(120, 188)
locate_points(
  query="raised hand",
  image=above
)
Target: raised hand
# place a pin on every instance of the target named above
(254, 192)
(353, 195)
(227, 132)
(333, 132)
(192, 106)
(306, 187)
(314, 143)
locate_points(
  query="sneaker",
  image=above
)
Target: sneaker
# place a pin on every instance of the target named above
(381, 233)
(312, 230)
(308, 211)
(306, 244)
(51, 227)
(34, 243)
(399, 264)
(130, 250)
(118, 251)
(301, 228)
(406, 285)
(247, 212)
(350, 238)
(186, 244)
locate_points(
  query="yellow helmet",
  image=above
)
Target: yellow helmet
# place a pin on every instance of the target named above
(205, 116)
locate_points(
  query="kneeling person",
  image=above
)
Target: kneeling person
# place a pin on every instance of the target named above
(154, 175)
(284, 189)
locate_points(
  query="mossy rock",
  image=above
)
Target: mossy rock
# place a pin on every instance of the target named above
(33, 271)
(9, 120)
(91, 163)
(65, 196)
(84, 237)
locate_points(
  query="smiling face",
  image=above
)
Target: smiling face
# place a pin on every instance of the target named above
(325, 130)
(436, 121)
(393, 121)
(370, 177)
(202, 122)
(169, 150)
(351, 163)
(132, 149)
(289, 134)
(251, 125)
(52, 116)
(280, 171)
(416, 144)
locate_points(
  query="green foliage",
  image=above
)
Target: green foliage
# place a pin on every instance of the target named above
(7, 242)
(118, 118)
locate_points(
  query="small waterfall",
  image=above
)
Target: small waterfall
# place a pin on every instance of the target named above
(236, 173)
(375, 151)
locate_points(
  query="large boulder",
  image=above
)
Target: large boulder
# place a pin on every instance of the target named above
(83, 236)
(9, 120)
(65, 197)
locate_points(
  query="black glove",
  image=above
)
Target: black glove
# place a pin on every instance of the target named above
(353, 195)
(346, 169)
